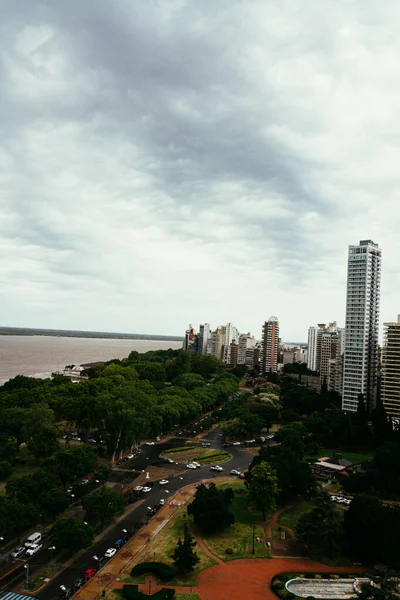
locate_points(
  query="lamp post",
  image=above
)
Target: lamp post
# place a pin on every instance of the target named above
(2, 546)
(254, 529)
(26, 567)
(52, 548)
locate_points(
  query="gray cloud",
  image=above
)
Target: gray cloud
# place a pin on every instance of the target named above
(173, 162)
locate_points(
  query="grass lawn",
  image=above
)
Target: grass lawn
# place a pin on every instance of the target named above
(163, 545)
(187, 597)
(290, 517)
(204, 456)
(353, 456)
(239, 537)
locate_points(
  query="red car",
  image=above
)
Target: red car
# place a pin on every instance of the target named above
(89, 573)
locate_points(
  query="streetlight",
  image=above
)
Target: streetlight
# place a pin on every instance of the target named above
(2, 546)
(254, 528)
(52, 548)
(26, 567)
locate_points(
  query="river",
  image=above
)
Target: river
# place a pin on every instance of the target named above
(39, 356)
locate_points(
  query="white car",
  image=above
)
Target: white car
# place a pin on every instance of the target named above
(218, 468)
(234, 472)
(196, 464)
(163, 482)
(190, 466)
(146, 489)
(236, 443)
(33, 549)
(138, 488)
(110, 552)
(162, 502)
(149, 443)
(130, 456)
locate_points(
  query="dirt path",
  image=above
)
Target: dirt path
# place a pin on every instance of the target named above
(274, 523)
(202, 545)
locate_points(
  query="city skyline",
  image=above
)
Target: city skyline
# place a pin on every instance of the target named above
(215, 153)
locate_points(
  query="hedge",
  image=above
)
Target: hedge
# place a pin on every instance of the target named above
(160, 570)
(131, 592)
(179, 449)
(215, 455)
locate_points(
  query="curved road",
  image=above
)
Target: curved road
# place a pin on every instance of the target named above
(149, 455)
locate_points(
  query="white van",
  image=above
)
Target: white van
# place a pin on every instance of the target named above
(35, 538)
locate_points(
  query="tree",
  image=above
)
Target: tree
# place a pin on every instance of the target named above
(184, 556)
(264, 488)
(102, 474)
(384, 585)
(210, 508)
(40, 431)
(72, 534)
(321, 529)
(70, 463)
(103, 504)
(53, 502)
(189, 381)
(292, 435)
(5, 469)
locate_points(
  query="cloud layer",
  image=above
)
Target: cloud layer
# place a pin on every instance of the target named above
(170, 161)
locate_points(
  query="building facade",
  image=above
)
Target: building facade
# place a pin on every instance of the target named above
(362, 321)
(270, 345)
(390, 387)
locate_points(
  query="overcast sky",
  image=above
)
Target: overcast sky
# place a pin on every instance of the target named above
(166, 162)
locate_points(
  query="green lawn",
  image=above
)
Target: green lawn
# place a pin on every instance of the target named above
(239, 537)
(187, 597)
(163, 545)
(290, 516)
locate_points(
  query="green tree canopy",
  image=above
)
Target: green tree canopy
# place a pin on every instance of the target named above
(264, 487)
(210, 508)
(72, 534)
(321, 529)
(184, 556)
(102, 505)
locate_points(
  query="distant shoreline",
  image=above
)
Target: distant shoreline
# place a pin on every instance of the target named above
(22, 331)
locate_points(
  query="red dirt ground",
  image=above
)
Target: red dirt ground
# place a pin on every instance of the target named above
(251, 578)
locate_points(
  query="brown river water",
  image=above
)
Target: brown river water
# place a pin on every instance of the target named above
(39, 356)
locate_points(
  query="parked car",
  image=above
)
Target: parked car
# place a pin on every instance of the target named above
(163, 482)
(146, 489)
(170, 460)
(89, 573)
(78, 583)
(130, 456)
(162, 502)
(205, 444)
(216, 468)
(196, 464)
(18, 552)
(235, 472)
(236, 443)
(110, 552)
(190, 466)
(149, 443)
(66, 592)
(138, 488)
(33, 549)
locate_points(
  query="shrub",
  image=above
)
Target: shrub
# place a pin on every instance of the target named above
(285, 577)
(5, 469)
(131, 592)
(162, 571)
(229, 551)
(279, 585)
(309, 575)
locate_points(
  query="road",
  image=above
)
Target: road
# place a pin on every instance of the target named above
(149, 455)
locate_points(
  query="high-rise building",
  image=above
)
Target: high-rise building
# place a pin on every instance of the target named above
(234, 353)
(246, 342)
(362, 314)
(329, 343)
(204, 334)
(270, 345)
(189, 339)
(390, 388)
(314, 346)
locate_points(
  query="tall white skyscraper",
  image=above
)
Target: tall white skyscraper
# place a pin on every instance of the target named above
(362, 314)
(204, 334)
(390, 391)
